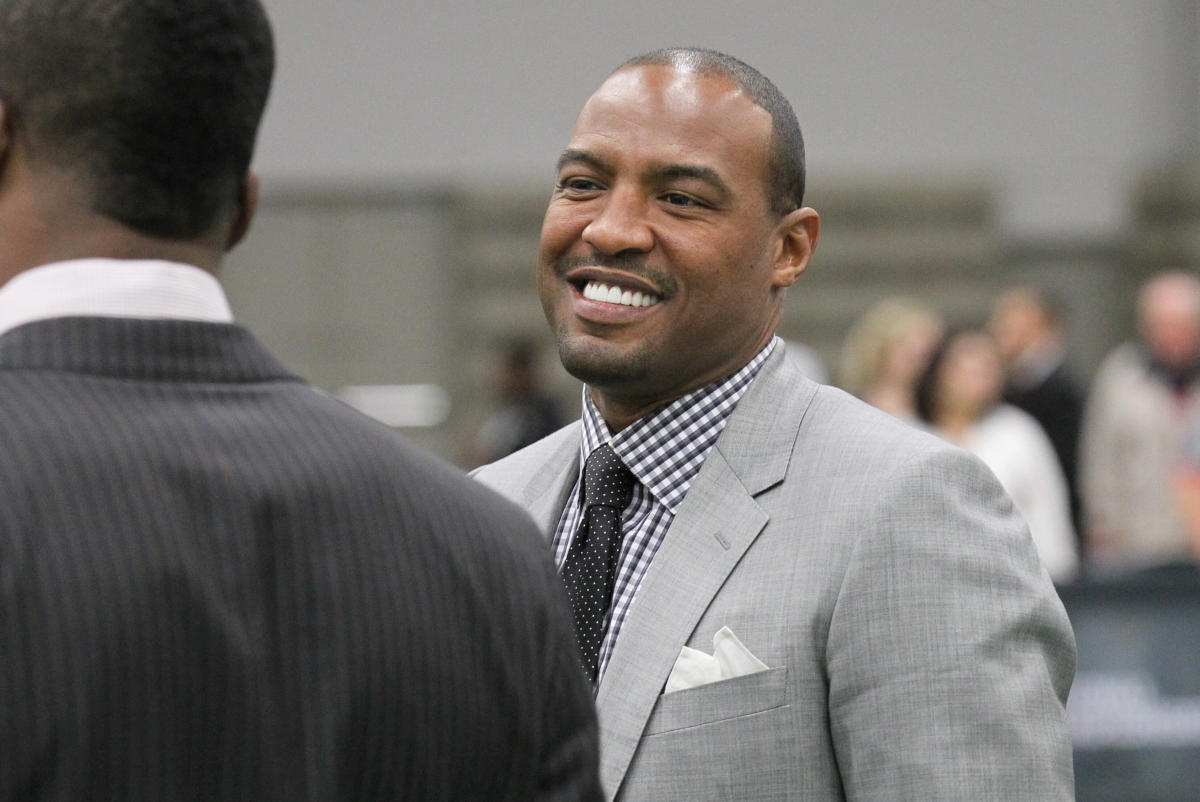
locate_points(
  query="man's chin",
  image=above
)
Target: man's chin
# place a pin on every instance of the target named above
(599, 366)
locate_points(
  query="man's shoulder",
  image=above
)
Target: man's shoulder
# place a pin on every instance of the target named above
(553, 453)
(1122, 381)
(286, 432)
(837, 416)
(1060, 393)
(427, 479)
(846, 447)
(1121, 362)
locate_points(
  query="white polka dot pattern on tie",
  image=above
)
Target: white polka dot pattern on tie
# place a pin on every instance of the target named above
(591, 563)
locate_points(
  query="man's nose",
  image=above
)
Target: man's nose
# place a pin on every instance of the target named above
(621, 223)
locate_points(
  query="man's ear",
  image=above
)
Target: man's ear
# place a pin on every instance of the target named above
(247, 205)
(798, 232)
(5, 137)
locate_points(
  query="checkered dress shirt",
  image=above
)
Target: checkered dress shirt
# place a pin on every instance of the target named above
(664, 451)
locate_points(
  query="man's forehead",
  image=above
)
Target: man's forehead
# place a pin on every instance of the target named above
(1174, 294)
(679, 87)
(662, 101)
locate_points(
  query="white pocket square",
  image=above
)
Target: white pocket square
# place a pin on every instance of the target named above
(729, 659)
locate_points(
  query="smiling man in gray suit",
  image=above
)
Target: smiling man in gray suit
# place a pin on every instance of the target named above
(804, 599)
(217, 583)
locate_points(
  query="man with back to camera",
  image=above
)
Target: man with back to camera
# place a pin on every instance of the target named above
(216, 582)
(780, 592)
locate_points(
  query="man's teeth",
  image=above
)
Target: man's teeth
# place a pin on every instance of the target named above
(596, 291)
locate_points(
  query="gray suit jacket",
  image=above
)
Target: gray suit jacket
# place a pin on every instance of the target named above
(917, 649)
(219, 583)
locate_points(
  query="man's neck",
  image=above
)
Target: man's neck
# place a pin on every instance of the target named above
(619, 414)
(1035, 363)
(45, 218)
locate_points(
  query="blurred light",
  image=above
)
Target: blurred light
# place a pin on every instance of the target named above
(399, 405)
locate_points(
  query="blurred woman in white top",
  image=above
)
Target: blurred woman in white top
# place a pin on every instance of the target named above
(959, 398)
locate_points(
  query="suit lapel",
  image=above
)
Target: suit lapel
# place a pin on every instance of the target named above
(717, 521)
(545, 496)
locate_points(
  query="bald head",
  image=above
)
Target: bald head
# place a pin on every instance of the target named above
(1169, 318)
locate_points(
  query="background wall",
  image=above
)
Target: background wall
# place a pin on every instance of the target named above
(1062, 102)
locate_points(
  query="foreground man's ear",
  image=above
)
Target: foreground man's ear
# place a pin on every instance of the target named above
(798, 231)
(247, 205)
(4, 135)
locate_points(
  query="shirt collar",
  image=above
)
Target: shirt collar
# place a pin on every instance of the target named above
(666, 449)
(139, 288)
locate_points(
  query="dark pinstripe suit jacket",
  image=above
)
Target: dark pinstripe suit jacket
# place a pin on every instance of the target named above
(218, 583)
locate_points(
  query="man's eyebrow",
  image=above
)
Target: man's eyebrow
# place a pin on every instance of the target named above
(572, 156)
(674, 172)
(666, 172)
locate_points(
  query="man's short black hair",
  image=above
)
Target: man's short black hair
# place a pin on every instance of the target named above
(153, 104)
(786, 164)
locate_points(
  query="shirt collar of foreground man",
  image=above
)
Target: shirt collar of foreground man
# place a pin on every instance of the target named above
(137, 288)
(852, 608)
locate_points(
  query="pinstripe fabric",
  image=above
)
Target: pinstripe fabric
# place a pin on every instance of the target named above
(664, 451)
(219, 583)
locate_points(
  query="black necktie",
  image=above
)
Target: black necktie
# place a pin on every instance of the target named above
(591, 564)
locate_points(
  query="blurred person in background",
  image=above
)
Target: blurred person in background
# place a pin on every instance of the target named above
(216, 582)
(886, 352)
(1027, 326)
(1142, 405)
(959, 397)
(1186, 488)
(524, 412)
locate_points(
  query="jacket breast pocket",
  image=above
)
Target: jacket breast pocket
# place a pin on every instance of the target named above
(719, 701)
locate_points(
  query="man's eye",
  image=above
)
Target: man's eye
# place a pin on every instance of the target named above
(578, 185)
(680, 199)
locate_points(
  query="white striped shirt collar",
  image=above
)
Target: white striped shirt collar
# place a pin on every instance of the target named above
(139, 288)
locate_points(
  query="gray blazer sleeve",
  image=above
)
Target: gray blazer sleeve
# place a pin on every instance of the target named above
(949, 656)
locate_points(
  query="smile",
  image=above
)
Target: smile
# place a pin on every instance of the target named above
(595, 291)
